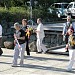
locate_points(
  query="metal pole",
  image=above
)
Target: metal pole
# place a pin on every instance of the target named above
(31, 12)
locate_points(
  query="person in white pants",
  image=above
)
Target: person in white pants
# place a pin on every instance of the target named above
(71, 49)
(16, 54)
(40, 35)
(72, 59)
(19, 48)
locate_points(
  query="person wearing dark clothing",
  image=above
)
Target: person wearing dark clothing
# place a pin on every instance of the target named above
(25, 28)
(20, 44)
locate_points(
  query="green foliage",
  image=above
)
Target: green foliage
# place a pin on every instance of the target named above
(43, 3)
(13, 14)
(16, 14)
(43, 13)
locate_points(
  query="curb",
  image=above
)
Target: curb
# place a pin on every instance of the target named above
(51, 50)
(56, 47)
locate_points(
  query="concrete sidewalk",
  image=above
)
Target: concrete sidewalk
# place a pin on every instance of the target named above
(36, 64)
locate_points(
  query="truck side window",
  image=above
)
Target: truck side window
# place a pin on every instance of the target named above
(70, 6)
(57, 5)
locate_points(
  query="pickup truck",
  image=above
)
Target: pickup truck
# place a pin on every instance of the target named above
(71, 9)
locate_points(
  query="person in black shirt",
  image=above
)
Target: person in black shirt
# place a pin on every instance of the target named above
(19, 42)
(25, 28)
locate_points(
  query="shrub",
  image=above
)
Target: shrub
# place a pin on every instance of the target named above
(13, 14)
(16, 14)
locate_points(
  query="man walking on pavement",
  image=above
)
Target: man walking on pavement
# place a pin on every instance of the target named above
(40, 35)
(65, 29)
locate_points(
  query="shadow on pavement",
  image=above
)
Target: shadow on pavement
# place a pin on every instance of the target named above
(47, 68)
(5, 62)
(7, 56)
(44, 59)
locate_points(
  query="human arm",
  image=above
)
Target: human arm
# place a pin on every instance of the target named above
(64, 30)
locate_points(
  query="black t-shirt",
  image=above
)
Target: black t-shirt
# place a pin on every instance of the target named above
(24, 28)
(20, 33)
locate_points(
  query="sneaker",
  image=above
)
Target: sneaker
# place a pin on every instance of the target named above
(43, 52)
(28, 56)
(14, 65)
(38, 52)
(21, 63)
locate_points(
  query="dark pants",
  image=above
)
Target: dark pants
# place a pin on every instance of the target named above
(27, 47)
(66, 39)
(0, 46)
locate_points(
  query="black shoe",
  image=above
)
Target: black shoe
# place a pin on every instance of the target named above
(38, 52)
(28, 54)
(1, 52)
(67, 50)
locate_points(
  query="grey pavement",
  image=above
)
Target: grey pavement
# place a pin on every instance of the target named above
(36, 64)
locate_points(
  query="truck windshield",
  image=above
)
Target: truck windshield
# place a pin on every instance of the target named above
(61, 5)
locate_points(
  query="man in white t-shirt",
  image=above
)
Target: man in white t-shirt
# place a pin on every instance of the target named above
(0, 40)
(40, 36)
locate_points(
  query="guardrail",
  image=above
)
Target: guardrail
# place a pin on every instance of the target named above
(53, 33)
(52, 38)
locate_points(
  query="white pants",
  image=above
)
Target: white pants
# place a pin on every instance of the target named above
(71, 57)
(17, 51)
(40, 46)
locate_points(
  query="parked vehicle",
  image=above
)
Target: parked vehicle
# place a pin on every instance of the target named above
(71, 9)
(59, 8)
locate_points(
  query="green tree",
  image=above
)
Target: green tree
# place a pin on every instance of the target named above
(5, 3)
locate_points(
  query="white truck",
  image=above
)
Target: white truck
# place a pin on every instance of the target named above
(59, 8)
(71, 9)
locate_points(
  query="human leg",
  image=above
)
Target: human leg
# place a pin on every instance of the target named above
(16, 55)
(27, 47)
(66, 41)
(43, 46)
(38, 45)
(22, 53)
(72, 59)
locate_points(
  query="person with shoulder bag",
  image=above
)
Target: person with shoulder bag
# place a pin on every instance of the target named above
(64, 33)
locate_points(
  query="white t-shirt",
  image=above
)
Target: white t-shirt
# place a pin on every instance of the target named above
(0, 31)
(40, 28)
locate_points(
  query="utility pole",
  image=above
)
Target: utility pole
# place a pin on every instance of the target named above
(31, 7)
